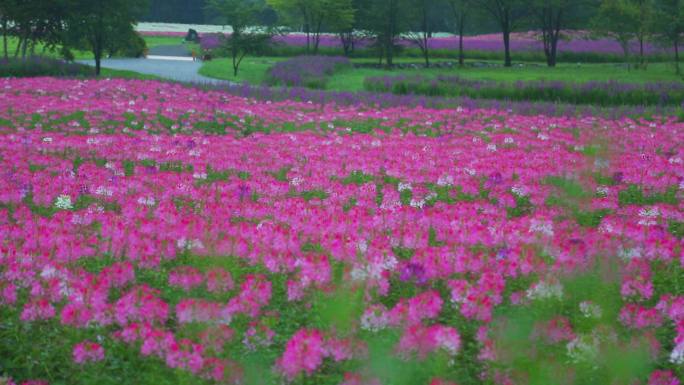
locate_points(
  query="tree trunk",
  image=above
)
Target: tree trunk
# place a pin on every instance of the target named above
(426, 50)
(426, 36)
(307, 30)
(4, 38)
(24, 48)
(676, 51)
(18, 49)
(389, 51)
(235, 63)
(461, 55)
(551, 47)
(641, 52)
(554, 52)
(97, 52)
(317, 37)
(98, 63)
(345, 39)
(507, 47)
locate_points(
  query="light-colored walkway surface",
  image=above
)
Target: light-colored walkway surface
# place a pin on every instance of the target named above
(171, 58)
(170, 50)
(179, 69)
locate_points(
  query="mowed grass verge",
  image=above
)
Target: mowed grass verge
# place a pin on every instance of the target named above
(254, 71)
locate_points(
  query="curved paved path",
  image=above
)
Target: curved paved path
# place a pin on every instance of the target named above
(170, 50)
(173, 68)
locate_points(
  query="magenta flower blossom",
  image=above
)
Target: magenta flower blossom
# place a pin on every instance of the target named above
(303, 353)
(464, 208)
(88, 351)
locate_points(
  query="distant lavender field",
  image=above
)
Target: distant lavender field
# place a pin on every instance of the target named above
(306, 71)
(520, 42)
(493, 42)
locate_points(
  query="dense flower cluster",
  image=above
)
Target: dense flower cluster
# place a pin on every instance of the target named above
(572, 42)
(306, 71)
(596, 93)
(195, 226)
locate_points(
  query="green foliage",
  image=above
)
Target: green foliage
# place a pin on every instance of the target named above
(625, 21)
(314, 194)
(676, 228)
(102, 27)
(603, 352)
(246, 38)
(634, 195)
(608, 94)
(523, 207)
(38, 66)
(358, 178)
(337, 15)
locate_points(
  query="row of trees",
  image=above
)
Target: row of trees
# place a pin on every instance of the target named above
(386, 21)
(99, 26)
(106, 26)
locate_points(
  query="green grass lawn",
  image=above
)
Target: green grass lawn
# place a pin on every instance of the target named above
(40, 49)
(152, 41)
(253, 70)
(111, 73)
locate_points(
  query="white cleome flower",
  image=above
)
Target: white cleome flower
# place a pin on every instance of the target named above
(590, 310)
(583, 349)
(541, 227)
(63, 202)
(544, 290)
(404, 186)
(520, 191)
(677, 355)
(446, 180)
(602, 190)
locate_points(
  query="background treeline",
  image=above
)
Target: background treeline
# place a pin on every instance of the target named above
(389, 23)
(105, 27)
(199, 12)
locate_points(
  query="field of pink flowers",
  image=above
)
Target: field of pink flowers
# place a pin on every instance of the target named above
(152, 233)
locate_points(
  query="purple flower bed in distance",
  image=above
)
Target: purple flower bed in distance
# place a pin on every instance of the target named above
(375, 100)
(599, 93)
(210, 41)
(520, 42)
(306, 71)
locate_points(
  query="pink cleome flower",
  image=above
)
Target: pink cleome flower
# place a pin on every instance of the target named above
(88, 351)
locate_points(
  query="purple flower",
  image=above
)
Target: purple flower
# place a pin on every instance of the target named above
(503, 253)
(618, 177)
(413, 272)
(495, 179)
(243, 191)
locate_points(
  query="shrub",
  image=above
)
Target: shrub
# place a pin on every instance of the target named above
(607, 93)
(41, 66)
(306, 71)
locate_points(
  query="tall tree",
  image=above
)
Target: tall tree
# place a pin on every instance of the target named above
(459, 10)
(386, 20)
(625, 21)
(552, 16)
(4, 24)
(247, 37)
(99, 24)
(508, 14)
(669, 24)
(314, 15)
(351, 33)
(420, 9)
